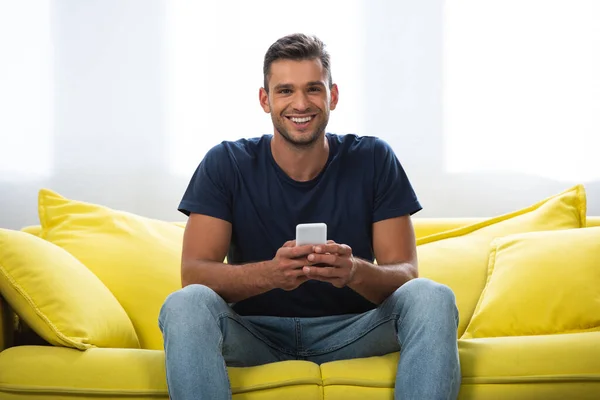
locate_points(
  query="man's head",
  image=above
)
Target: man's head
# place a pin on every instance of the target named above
(297, 47)
(298, 90)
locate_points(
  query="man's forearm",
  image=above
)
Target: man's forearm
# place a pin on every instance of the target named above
(377, 282)
(232, 282)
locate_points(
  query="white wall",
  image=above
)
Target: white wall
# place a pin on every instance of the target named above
(110, 135)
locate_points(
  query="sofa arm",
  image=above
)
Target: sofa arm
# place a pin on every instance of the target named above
(7, 325)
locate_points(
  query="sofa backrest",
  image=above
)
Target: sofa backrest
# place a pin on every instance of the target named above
(423, 226)
(429, 226)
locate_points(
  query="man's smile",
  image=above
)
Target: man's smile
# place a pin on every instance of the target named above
(301, 121)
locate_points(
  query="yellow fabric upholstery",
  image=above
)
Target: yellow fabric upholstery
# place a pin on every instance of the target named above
(424, 226)
(306, 376)
(540, 283)
(59, 297)
(564, 357)
(34, 230)
(556, 366)
(381, 371)
(559, 366)
(529, 390)
(137, 258)
(66, 371)
(459, 258)
(428, 226)
(31, 372)
(593, 221)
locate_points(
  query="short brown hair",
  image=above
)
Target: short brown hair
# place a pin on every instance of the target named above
(297, 46)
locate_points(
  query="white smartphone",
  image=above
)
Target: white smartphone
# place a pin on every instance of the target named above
(311, 234)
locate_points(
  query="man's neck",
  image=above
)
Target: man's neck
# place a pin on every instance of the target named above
(300, 163)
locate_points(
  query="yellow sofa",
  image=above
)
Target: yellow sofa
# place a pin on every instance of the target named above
(560, 365)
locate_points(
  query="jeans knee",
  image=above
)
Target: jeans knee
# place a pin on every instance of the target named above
(426, 296)
(189, 302)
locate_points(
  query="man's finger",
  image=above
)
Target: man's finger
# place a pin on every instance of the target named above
(298, 263)
(321, 272)
(334, 248)
(289, 243)
(297, 251)
(299, 280)
(298, 274)
(329, 259)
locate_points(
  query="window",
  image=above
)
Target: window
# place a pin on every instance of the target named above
(26, 94)
(522, 87)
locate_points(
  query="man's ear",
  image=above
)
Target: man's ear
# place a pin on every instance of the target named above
(263, 97)
(335, 94)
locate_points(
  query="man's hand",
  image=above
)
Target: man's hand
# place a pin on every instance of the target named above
(341, 264)
(285, 270)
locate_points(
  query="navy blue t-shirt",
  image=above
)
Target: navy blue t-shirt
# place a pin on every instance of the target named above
(362, 182)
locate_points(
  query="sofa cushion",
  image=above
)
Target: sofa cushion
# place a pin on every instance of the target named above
(552, 367)
(32, 229)
(58, 297)
(361, 378)
(34, 372)
(459, 257)
(137, 258)
(540, 283)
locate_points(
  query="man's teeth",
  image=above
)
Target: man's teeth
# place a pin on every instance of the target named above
(301, 120)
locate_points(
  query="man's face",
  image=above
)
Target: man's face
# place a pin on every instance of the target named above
(299, 100)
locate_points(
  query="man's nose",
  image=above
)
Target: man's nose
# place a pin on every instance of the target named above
(300, 101)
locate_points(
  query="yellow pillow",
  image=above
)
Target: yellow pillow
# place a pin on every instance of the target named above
(540, 283)
(58, 297)
(459, 257)
(32, 229)
(137, 258)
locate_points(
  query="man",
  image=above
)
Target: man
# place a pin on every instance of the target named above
(270, 302)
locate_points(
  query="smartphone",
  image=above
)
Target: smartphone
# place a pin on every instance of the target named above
(311, 234)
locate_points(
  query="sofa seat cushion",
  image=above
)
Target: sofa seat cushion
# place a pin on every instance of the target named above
(45, 372)
(549, 367)
(563, 366)
(571, 357)
(370, 378)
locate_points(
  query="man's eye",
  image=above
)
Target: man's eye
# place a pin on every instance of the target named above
(314, 89)
(285, 91)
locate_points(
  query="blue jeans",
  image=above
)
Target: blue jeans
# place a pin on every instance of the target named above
(202, 335)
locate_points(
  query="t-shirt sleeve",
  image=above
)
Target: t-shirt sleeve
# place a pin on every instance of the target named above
(394, 194)
(210, 189)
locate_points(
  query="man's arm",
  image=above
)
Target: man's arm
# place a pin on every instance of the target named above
(395, 250)
(205, 244)
(394, 245)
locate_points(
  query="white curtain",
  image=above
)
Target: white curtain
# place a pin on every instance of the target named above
(26, 90)
(490, 105)
(522, 88)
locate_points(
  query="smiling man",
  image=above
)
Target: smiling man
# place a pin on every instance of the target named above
(275, 301)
